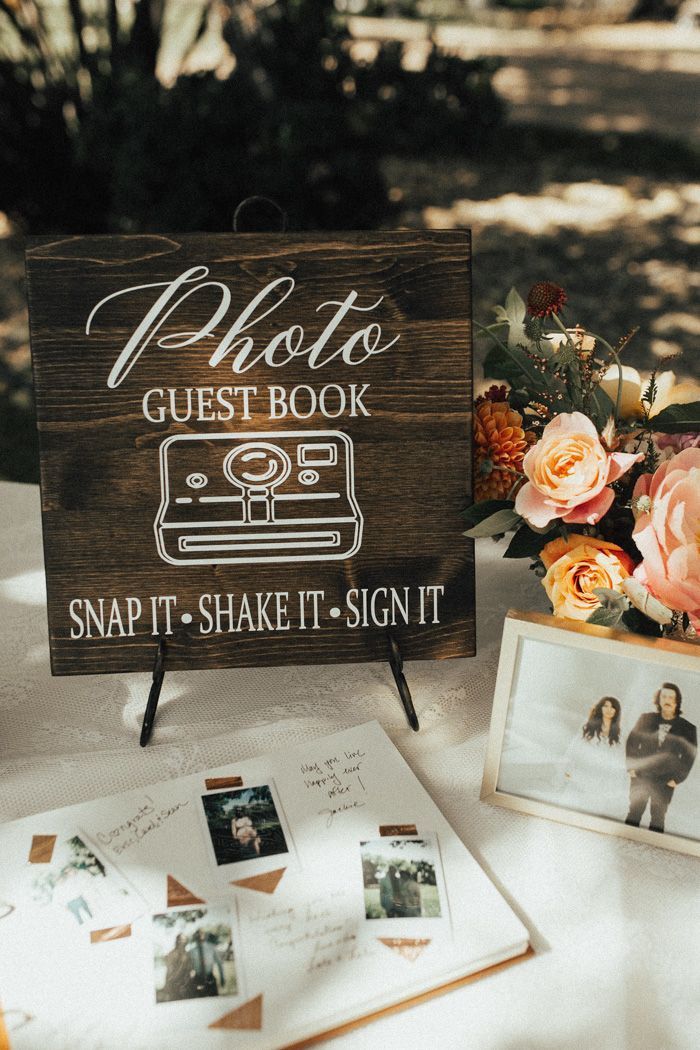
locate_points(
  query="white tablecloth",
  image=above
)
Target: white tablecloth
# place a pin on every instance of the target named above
(615, 924)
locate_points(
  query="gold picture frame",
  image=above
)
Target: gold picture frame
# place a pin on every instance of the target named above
(539, 652)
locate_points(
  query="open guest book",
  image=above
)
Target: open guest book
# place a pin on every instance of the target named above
(268, 904)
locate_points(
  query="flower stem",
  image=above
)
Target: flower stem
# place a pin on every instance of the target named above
(506, 349)
(613, 353)
(560, 324)
(615, 356)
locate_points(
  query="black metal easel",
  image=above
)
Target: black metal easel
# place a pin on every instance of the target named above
(154, 694)
(268, 217)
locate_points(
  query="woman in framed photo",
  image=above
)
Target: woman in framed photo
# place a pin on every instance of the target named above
(594, 764)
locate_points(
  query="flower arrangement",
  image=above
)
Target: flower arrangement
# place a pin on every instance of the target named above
(594, 470)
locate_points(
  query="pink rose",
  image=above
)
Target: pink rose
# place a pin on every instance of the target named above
(677, 442)
(569, 472)
(667, 504)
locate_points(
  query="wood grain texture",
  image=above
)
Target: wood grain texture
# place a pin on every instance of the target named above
(42, 848)
(111, 933)
(217, 783)
(265, 883)
(101, 456)
(178, 895)
(248, 1017)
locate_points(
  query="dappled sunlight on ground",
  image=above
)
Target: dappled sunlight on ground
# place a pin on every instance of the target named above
(598, 92)
(622, 245)
(618, 228)
(625, 78)
(588, 207)
(592, 182)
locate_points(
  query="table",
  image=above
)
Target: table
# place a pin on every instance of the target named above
(614, 923)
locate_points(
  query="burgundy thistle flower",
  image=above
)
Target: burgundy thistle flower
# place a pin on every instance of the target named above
(494, 394)
(545, 298)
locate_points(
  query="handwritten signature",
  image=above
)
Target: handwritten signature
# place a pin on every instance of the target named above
(331, 813)
(147, 818)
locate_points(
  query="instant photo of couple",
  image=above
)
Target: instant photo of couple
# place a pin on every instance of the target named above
(617, 740)
(400, 878)
(193, 955)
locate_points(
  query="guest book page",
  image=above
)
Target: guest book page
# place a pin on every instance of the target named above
(278, 899)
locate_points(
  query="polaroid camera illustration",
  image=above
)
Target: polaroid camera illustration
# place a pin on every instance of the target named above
(251, 498)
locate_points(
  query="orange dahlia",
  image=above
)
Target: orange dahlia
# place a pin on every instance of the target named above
(500, 443)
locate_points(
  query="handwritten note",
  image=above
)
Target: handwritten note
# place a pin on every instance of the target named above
(147, 818)
(319, 932)
(337, 780)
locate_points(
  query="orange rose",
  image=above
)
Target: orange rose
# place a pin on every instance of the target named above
(575, 567)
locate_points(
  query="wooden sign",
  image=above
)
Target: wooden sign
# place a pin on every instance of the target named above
(255, 446)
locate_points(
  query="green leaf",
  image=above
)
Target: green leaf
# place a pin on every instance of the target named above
(606, 616)
(513, 315)
(513, 366)
(495, 524)
(677, 419)
(601, 408)
(650, 391)
(515, 306)
(611, 599)
(527, 543)
(478, 511)
(519, 398)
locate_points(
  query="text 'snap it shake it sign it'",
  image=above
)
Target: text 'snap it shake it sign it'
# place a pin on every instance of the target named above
(256, 447)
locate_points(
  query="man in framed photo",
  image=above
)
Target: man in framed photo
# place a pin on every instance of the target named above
(660, 749)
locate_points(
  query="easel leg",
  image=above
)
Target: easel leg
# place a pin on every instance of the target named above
(154, 695)
(396, 664)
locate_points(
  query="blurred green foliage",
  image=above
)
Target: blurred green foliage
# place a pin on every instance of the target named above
(91, 141)
(97, 144)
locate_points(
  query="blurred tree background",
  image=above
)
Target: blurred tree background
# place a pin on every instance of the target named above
(98, 137)
(573, 156)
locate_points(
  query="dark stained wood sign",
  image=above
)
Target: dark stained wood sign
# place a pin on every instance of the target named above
(257, 446)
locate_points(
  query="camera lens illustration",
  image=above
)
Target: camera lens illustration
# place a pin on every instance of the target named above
(258, 465)
(263, 497)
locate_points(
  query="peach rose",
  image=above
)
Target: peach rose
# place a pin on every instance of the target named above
(575, 567)
(667, 506)
(569, 473)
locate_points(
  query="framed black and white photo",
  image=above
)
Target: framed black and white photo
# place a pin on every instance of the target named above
(597, 728)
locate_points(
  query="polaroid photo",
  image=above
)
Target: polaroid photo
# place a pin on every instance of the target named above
(597, 728)
(82, 890)
(403, 886)
(246, 831)
(195, 955)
